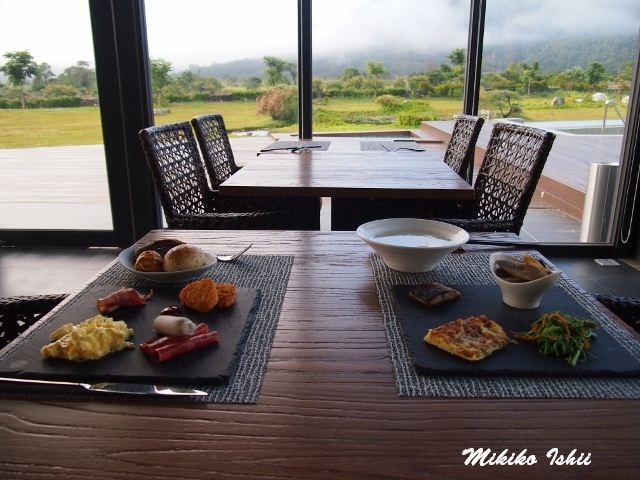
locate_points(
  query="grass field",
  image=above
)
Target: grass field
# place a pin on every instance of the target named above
(82, 126)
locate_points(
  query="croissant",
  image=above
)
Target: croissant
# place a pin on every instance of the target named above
(149, 261)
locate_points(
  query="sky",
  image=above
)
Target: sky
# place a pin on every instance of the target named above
(213, 31)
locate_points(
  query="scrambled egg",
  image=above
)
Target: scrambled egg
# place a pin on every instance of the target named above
(89, 340)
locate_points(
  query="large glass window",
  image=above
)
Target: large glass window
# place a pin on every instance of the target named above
(566, 67)
(52, 159)
(235, 58)
(387, 64)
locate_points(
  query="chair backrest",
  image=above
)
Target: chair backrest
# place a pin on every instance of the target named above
(215, 146)
(176, 167)
(461, 147)
(510, 171)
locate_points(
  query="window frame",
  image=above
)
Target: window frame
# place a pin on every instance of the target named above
(122, 69)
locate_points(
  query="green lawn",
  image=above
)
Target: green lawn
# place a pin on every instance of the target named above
(82, 126)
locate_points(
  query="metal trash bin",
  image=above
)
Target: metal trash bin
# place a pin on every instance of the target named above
(598, 202)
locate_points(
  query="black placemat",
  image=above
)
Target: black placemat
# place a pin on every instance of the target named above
(605, 355)
(210, 365)
(473, 269)
(268, 274)
(320, 146)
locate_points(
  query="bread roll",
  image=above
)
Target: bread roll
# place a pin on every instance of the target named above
(183, 257)
(149, 261)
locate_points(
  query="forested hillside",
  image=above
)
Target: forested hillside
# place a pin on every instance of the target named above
(554, 55)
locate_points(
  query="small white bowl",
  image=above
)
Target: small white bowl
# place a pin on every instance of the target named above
(525, 295)
(412, 244)
(128, 260)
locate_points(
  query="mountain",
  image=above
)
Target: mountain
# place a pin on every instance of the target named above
(554, 55)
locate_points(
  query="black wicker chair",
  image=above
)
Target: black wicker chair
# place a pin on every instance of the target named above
(459, 156)
(507, 179)
(461, 148)
(220, 164)
(626, 308)
(17, 314)
(180, 179)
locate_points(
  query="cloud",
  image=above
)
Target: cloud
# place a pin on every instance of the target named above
(203, 32)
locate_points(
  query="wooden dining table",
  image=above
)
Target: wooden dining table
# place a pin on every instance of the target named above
(342, 170)
(328, 403)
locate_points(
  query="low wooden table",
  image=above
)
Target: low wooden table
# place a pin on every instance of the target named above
(347, 176)
(328, 406)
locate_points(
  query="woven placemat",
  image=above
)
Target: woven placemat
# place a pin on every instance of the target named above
(473, 269)
(268, 273)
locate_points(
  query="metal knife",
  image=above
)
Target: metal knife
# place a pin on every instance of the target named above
(117, 387)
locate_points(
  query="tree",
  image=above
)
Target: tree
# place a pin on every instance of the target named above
(595, 73)
(275, 68)
(79, 76)
(503, 99)
(457, 57)
(374, 71)
(530, 73)
(160, 78)
(18, 68)
(43, 78)
(419, 84)
(251, 83)
(348, 73)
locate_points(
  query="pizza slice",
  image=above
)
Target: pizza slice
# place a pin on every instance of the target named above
(472, 338)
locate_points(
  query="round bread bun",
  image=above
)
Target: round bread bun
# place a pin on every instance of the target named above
(183, 257)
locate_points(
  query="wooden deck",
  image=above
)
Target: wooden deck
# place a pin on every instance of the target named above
(66, 188)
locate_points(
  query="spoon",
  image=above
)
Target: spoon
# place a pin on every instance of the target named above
(229, 258)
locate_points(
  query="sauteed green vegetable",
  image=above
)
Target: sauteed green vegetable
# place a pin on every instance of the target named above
(561, 335)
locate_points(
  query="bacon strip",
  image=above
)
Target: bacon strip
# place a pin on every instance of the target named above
(125, 297)
(187, 344)
(155, 343)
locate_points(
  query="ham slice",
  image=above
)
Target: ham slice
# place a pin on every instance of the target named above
(167, 340)
(125, 297)
(187, 344)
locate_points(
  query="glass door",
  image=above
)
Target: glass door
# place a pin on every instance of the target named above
(573, 78)
(236, 58)
(52, 157)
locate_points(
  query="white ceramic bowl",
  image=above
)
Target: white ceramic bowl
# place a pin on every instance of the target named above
(525, 295)
(128, 259)
(412, 244)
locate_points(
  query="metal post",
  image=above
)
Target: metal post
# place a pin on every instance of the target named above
(305, 81)
(474, 63)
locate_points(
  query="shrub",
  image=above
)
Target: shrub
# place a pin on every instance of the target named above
(280, 103)
(389, 103)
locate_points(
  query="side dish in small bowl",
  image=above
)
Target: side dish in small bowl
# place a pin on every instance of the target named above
(523, 280)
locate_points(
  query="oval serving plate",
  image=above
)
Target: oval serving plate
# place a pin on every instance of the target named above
(127, 259)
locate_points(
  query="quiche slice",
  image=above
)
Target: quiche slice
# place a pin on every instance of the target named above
(472, 338)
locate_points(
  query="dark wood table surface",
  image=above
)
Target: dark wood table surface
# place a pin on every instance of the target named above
(328, 407)
(347, 174)
(416, 175)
